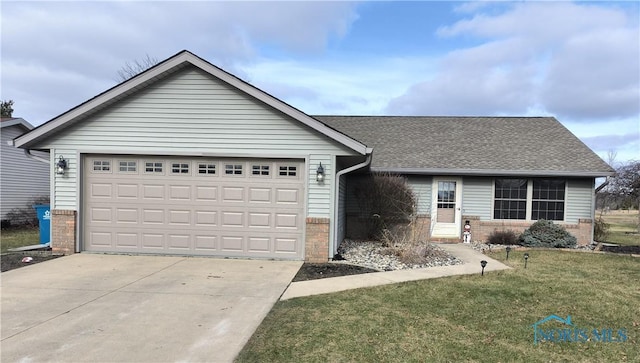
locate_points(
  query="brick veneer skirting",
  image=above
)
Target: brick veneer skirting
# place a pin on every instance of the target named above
(317, 240)
(480, 230)
(63, 232)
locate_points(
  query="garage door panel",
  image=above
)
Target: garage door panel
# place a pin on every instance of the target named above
(101, 190)
(126, 215)
(181, 217)
(127, 191)
(179, 192)
(200, 209)
(152, 240)
(232, 243)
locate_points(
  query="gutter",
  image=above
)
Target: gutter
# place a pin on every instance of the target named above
(28, 153)
(336, 201)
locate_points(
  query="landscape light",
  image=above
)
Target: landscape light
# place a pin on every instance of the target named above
(526, 258)
(483, 263)
(508, 249)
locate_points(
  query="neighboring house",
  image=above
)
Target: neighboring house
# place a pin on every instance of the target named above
(22, 178)
(188, 159)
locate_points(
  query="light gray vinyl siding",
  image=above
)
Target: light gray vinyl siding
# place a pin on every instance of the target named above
(320, 193)
(196, 113)
(22, 178)
(579, 200)
(477, 197)
(192, 113)
(421, 186)
(65, 186)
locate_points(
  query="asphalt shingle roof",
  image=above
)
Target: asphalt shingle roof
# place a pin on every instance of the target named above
(471, 145)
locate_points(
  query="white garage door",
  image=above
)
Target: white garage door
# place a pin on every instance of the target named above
(194, 206)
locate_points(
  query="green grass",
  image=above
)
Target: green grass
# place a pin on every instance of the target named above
(12, 238)
(463, 318)
(624, 227)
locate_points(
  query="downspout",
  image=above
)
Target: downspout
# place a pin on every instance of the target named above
(336, 202)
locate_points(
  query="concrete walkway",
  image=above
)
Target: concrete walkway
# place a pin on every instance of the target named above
(464, 252)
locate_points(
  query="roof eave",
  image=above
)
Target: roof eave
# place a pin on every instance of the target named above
(494, 172)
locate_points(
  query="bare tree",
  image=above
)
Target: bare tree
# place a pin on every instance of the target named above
(7, 109)
(132, 69)
(626, 184)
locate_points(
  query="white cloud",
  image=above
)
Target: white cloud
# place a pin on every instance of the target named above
(571, 60)
(63, 42)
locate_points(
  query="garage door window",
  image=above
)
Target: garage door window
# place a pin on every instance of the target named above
(102, 165)
(260, 170)
(233, 169)
(152, 167)
(287, 170)
(179, 168)
(206, 169)
(127, 166)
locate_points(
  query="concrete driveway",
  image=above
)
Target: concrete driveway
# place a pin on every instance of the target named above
(115, 308)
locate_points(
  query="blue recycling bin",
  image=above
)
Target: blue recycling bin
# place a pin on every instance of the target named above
(44, 219)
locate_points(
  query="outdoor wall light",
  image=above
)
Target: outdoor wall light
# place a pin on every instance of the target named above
(483, 263)
(526, 258)
(61, 165)
(320, 173)
(508, 249)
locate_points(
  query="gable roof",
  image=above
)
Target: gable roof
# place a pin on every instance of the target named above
(13, 121)
(515, 146)
(162, 70)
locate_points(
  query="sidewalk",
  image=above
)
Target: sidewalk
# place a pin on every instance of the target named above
(463, 252)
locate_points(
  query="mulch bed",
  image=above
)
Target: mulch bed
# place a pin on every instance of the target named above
(622, 249)
(13, 260)
(314, 271)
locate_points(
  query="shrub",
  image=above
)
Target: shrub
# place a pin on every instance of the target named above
(384, 200)
(545, 233)
(25, 216)
(508, 237)
(601, 230)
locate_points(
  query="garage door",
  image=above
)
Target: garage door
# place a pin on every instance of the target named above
(194, 206)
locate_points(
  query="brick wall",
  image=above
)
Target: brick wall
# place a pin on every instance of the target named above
(317, 240)
(63, 232)
(480, 230)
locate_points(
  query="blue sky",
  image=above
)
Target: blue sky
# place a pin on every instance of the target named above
(577, 61)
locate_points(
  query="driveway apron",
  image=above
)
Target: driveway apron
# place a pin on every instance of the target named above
(116, 308)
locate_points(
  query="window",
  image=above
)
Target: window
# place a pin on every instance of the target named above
(287, 170)
(447, 194)
(127, 166)
(548, 199)
(510, 199)
(233, 169)
(207, 169)
(101, 165)
(179, 168)
(260, 170)
(153, 167)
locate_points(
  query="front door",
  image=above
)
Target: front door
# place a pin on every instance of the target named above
(446, 213)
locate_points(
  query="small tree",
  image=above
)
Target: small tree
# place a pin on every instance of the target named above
(130, 70)
(7, 109)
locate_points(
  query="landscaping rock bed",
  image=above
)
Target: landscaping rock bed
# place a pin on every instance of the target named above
(357, 257)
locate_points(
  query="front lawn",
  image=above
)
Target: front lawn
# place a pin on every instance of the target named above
(18, 237)
(464, 318)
